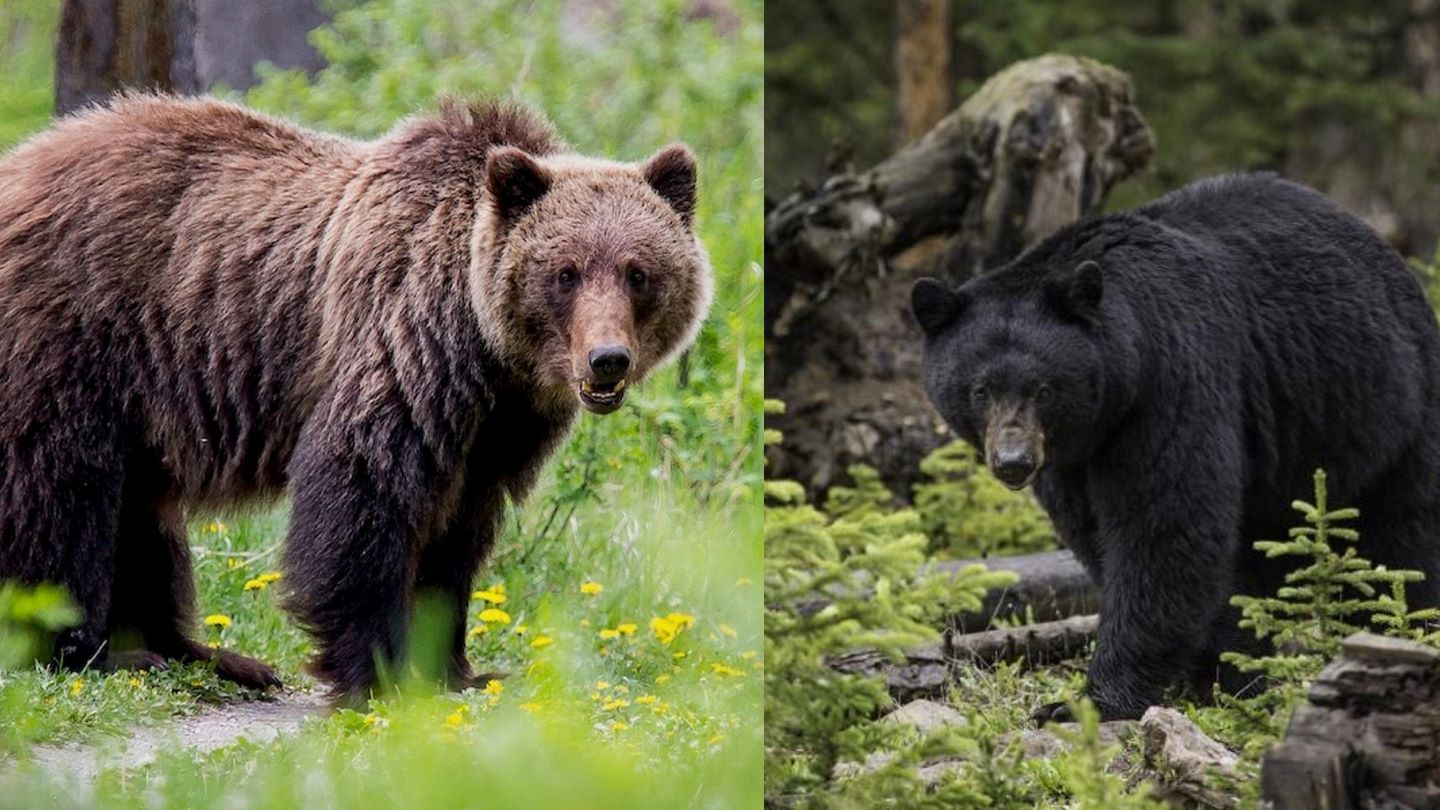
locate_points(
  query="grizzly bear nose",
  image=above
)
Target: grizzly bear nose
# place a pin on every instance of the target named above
(609, 363)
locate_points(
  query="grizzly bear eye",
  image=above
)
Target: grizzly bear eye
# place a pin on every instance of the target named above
(1044, 394)
(637, 278)
(568, 279)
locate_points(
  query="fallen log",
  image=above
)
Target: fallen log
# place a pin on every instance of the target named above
(1035, 644)
(925, 671)
(1051, 585)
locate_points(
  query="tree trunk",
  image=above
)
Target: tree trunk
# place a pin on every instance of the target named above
(106, 45)
(1037, 147)
(922, 64)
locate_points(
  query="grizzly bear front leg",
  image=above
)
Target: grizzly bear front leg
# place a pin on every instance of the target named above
(364, 480)
(448, 566)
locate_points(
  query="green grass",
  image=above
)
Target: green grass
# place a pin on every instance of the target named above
(659, 504)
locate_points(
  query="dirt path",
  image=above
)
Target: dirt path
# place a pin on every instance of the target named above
(213, 727)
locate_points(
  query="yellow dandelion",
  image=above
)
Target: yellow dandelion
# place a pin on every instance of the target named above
(531, 707)
(135, 683)
(520, 629)
(541, 641)
(616, 703)
(269, 577)
(232, 563)
(619, 726)
(716, 740)
(723, 670)
(594, 695)
(585, 623)
(626, 628)
(494, 615)
(494, 687)
(76, 686)
(679, 656)
(478, 630)
(748, 654)
(455, 719)
(214, 645)
(214, 527)
(662, 679)
(217, 620)
(608, 634)
(622, 689)
(667, 627)
(646, 700)
(256, 584)
(728, 630)
(591, 588)
(602, 684)
(491, 595)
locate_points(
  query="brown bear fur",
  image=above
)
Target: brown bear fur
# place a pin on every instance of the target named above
(202, 306)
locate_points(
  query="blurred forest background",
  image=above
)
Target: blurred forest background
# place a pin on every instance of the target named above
(876, 174)
(1343, 95)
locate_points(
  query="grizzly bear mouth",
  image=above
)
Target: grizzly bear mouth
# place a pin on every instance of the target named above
(602, 398)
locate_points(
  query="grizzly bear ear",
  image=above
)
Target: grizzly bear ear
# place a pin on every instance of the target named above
(935, 305)
(514, 180)
(1075, 291)
(671, 172)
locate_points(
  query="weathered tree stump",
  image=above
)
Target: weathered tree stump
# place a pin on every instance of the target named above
(1037, 147)
(1369, 735)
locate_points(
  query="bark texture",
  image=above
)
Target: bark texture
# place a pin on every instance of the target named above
(1037, 147)
(922, 64)
(1369, 735)
(106, 45)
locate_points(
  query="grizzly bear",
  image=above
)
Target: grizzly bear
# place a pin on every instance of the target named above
(1169, 379)
(203, 306)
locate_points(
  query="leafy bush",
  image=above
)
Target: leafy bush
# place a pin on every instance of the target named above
(866, 562)
(967, 513)
(29, 617)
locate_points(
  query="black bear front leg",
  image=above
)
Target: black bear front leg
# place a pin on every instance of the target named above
(1170, 543)
(1168, 536)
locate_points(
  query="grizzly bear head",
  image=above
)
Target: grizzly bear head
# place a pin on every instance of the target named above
(587, 274)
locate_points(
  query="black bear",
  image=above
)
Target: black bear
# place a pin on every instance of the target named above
(1169, 378)
(201, 305)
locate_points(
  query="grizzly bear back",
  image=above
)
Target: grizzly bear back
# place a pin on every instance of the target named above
(192, 273)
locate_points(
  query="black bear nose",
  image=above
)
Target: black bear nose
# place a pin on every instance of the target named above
(1013, 466)
(609, 363)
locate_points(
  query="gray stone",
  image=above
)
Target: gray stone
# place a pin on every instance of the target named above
(925, 716)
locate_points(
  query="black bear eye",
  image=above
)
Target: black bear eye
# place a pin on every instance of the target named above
(1044, 394)
(979, 394)
(568, 279)
(636, 278)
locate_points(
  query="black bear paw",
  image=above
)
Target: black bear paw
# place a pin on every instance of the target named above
(1053, 713)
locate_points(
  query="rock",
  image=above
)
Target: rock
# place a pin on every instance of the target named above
(1182, 756)
(1046, 743)
(925, 716)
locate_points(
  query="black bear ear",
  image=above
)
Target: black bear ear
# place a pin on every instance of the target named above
(671, 172)
(514, 180)
(1076, 290)
(934, 304)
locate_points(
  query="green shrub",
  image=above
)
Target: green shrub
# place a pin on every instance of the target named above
(866, 562)
(967, 513)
